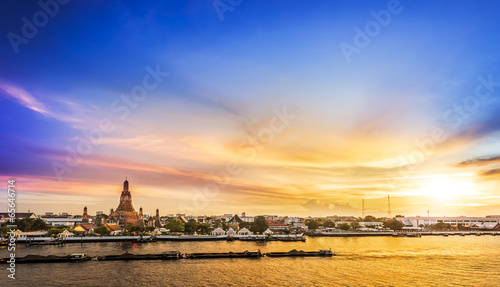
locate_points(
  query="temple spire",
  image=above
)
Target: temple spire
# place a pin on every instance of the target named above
(125, 185)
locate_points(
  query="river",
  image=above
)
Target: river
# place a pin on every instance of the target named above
(360, 261)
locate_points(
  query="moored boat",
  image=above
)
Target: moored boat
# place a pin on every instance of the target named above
(144, 240)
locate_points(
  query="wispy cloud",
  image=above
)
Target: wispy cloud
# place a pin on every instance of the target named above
(26, 99)
(480, 161)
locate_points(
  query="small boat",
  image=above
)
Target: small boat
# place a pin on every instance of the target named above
(245, 254)
(145, 240)
(79, 257)
(301, 253)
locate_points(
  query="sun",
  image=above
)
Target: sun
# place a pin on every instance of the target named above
(448, 187)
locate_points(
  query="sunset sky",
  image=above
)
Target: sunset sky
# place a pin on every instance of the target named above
(263, 107)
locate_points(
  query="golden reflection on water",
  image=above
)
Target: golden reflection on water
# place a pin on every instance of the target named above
(375, 261)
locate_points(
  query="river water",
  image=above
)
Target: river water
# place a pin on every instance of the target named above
(361, 261)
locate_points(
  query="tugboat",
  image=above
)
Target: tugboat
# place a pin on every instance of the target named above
(78, 257)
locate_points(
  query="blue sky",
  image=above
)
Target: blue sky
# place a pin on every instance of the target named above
(353, 121)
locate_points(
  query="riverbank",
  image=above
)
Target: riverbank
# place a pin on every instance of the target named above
(383, 233)
(147, 238)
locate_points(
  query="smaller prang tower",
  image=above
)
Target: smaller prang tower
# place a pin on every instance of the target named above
(85, 217)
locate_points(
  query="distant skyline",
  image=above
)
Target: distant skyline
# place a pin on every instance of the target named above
(281, 107)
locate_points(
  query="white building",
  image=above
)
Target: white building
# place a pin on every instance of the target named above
(268, 232)
(418, 221)
(65, 233)
(374, 224)
(218, 231)
(249, 219)
(63, 221)
(244, 231)
(292, 220)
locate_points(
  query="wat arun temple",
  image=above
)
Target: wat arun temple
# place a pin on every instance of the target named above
(125, 212)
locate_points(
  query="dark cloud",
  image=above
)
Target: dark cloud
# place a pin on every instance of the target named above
(491, 172)
(479, 161)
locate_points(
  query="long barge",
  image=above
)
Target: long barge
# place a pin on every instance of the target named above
(130, 256)
(169, 255)
(245, 254)
(75, 257)
(301, 253)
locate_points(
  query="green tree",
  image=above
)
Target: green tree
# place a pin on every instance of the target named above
(440, 226)
(312, 224)
(244, 224)
(259, 225)
(329, 223)
(345, 226)
(370, 218)
(55, 231)
(204, 228)
(175, 226)
(4, 230)
(394, 224)
(191, 226)
(355, 225)
(31, 224)
(103, 230)
(132, 228)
